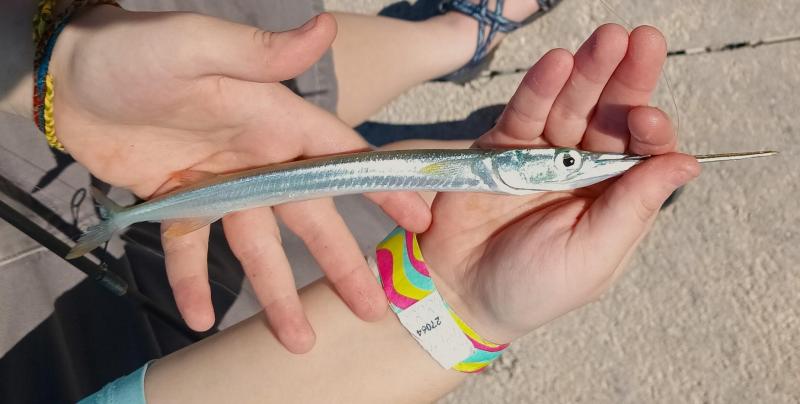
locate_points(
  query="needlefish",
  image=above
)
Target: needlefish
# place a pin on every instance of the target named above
(507, 171)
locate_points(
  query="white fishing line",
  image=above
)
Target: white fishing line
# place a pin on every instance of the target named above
(665, 79)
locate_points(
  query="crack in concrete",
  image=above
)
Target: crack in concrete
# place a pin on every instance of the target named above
(731, 46)
(735, 45)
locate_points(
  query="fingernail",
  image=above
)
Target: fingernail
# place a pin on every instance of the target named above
(309, 25)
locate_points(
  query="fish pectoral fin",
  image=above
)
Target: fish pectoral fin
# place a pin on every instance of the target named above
(441, 168)
(177, 228)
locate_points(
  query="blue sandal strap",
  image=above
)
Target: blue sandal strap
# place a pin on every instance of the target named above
(495, 22)
(547, 5)
(493, 19)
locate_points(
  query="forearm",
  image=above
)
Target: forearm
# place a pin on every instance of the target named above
(353, 361)
(16, 61)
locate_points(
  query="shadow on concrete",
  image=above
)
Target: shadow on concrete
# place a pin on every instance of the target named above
(476, 124)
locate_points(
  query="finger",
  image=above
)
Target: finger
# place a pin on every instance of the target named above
(329, 240)
(187, 272)
(325, 134)
(254, 238)
(525, 115)
(595, 62)
(622, 213)
(631, 85)
(651, 131)
(249, 53)
(407, 209)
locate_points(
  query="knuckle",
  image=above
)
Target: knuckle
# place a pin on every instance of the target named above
(520, 114)
(185, 284)
(279, 303)
(642, 206)
(312, 226)
(252, 249)
(264, 39)
(345, 273)
(569, 112)
(313, 236)
(181, 243)
(644, 210)
(533, 84)
(588, 78)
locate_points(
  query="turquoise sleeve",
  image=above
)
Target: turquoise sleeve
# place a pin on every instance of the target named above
(127, 389)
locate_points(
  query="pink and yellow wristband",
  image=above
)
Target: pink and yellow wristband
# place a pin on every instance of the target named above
(406, 281)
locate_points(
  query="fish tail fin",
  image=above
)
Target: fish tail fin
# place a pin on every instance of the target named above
(97, 235)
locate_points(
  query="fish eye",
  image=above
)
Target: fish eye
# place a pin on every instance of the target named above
(568, 160)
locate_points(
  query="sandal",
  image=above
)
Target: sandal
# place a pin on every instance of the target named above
(494, 20)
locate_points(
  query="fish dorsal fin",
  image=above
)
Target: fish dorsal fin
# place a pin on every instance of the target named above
(182, 179)
(190, 177)
(177, 228)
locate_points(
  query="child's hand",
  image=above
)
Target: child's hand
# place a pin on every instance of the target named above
(140, 97)
(510, 264)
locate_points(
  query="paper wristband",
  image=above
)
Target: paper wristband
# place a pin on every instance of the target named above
(410, 290)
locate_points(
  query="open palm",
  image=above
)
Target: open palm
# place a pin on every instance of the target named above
(152, 101)
(511, 264)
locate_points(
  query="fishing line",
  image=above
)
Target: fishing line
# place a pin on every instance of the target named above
(627, 24)
(664, 74)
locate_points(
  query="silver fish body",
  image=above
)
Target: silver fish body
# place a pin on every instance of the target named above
(511, 171)
(426, 170)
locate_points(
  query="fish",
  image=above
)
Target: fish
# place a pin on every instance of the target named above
(498, 171)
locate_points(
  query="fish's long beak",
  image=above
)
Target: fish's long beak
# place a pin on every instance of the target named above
(598, 167)
(602, 166)
(711, 158)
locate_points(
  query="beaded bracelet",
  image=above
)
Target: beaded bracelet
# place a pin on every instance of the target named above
(405, 279)
(46, 28)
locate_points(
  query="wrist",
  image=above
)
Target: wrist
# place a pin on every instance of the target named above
(436, 325)
(55, 57)
(463, 293)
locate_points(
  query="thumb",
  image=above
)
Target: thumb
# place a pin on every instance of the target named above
(248, 53)
(623, 213)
